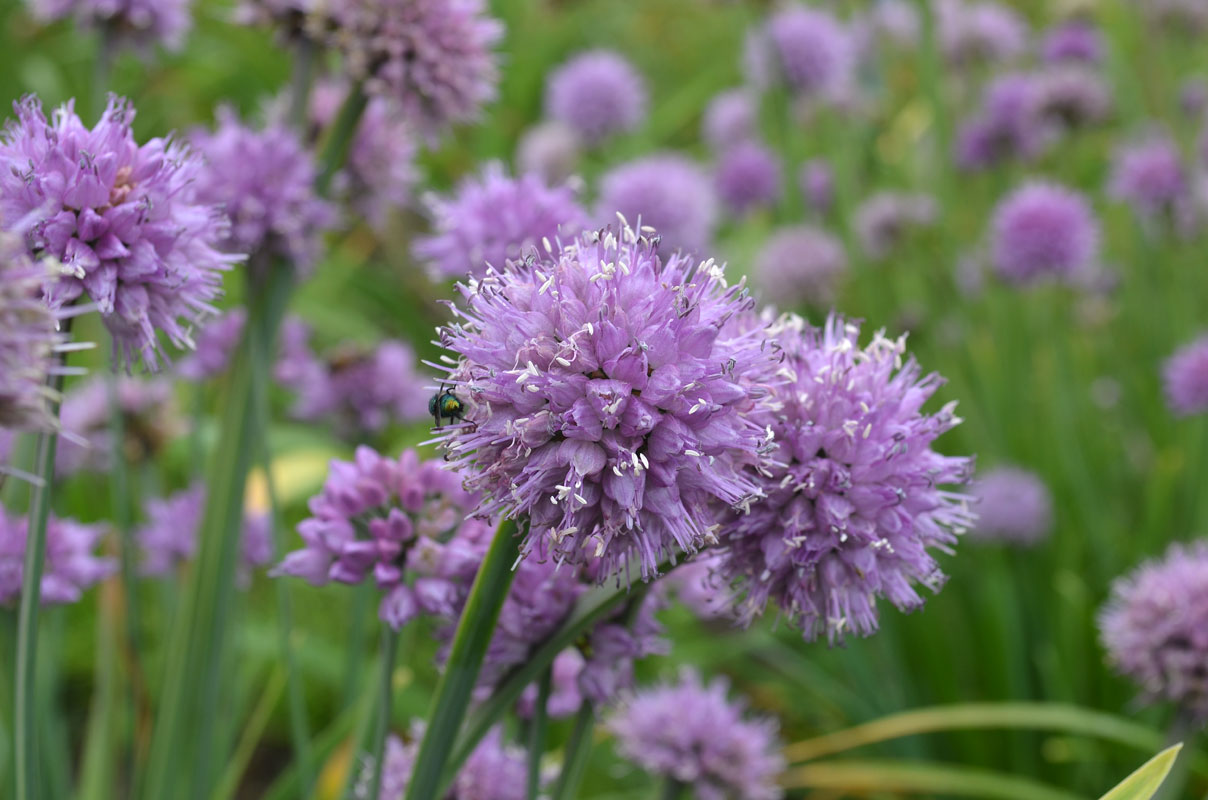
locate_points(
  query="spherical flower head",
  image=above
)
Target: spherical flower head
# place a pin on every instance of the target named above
(731, 118)
(597, 94)
(123, 217)
(805, 49)
(891, 22)
(1185, 16)
(1185, 377)
(494, 771)
(1193, 97)
(665, 191)
(1078, 41)
(215, 344)
(550, 150)
(494, 218)
(71, 565)
(1013, 506)
(817, 183)
(691, 732)
(264, 181)
(143, 23)
(605, 401)
(984, 32)
(1006, 126)
(150, 421)
(748, 177)
(1072, 96)
(885, 219)
(1149, 176)
(433, 57)
(855, 502)
(800, 265)
(1043, 230)
(1154, 627)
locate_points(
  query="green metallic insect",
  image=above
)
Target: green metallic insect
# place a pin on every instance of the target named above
(445, 405)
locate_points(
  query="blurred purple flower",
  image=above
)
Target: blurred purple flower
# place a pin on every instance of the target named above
(800, 265)
(1013, 506)
(1149, 176)
(1043, 230)
(1185, 377)
(494, 771)
(748, 177)
(887, 22)
(494, 218)
(1154, 627)
(215, 343)
(700, 586)
(1185, 16)
(122, 217)
(1073, 96)
(143, 22)
(854, 502)
(1076, 40)
(731, 118)
(690, 732)
(885, 219)
(607, 403)
(597, 94)
(565, 697)
(665, 191)
(150, 420)
(1193, 97)
(70, 568)
(979, 32)
(806, 49)
(549, 150)
(1007, 125)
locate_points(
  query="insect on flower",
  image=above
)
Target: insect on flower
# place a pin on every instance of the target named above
(445, 405)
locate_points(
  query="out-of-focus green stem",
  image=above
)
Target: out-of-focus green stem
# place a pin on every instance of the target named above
(672, 789)
(339, 138)
(385, 700)
(300, 82)
(1182, 730)
(574, 758)
(537, 730)
(101, 740)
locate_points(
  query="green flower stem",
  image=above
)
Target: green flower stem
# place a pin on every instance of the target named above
(460, 675)
(672, 789)
(574, 758)
(119, 492)
(385, 697)
(339, 138)
(537, 731)
(358, 636)
(1182, 730)
(300, 82)
(101, 740)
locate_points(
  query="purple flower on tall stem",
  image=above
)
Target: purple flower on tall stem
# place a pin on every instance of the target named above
(885, 219)
(122, 217)
(748, 177)
(1185, 377)
(817, 183)
(855, 499)
(979, 32)
(1072, 97)
(805, 49)
(150, 420)
(800, 264)
(549, 150)
(665, 191)
(143, 22)
(731, 118)
(1013, 506)
(1149, 176)
(1077, 40)
(1008, 124)
(494, 771)
(169, 537)
(597, 94)
(216, 342)
(606, 400)
(71, 565)
(1043, 230)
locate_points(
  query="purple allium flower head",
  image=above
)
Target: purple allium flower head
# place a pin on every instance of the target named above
(1189, 16)
(150, 420)
(616, 645)
(494, 771)
(142, 22)
(895, 22)
(1043, 230)
(1013, 506)
(731, 118)
(565, 697)
(215, 343)
(806, 49)
(667, 192)
(264, 180)
(748, 177)
(70, 567)
(691, 732)
(383, 517)
(495, 218)
(309, 19)
(550, 150)
(699, 586)
(885, 219)
(597, 94)
(1149, 176)
(1155, 627)
(122, 217)
(817, 183)
(855, 500)
(380, 171)
(1076, 40)
(972, 32)
(1072, 96)
(1007, 124)
(798, 265)
(1185, 377)
(434, 57)
(1193, 97)
(607, 400)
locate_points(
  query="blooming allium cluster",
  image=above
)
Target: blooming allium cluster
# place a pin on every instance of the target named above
(1180, 15)
(748, 177)
(731, 118)
(170, 535)
(71, 565)
(1013, 506)
(884, 220)
(699, 586)
(264, 180)
(1155, 627)
(597, 94)
(691, 732)
(1149, 176)
(1043, 230)
(979, 32)
(805, 49)
(494, 771)
(550, 150)
(122, 217)
(667, 192)
(493, 219)
(383, 517)
(816, 180)
(1071, 97)
(1185, 377)
(216, 342)
(606, 401)
(893, 23)
(855, 501)
(1006, 126)
(1075, 41)
(143, 22)
(800, 264)
(150, 421)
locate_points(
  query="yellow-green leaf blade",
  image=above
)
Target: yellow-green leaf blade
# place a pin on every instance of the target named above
(919, 778)
(1145, 782)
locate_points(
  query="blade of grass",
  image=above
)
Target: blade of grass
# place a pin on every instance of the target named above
(919, 778)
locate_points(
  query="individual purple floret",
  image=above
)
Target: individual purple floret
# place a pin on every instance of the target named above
(264, 180)
(979, 32)
(1006, 126)
(731, 118)
(150, 420)
(805, 49)
(605, 402)
(142, 22)
(597, 94)
(748, 177)
(691, 732)
(817, 183)
(1149, 176)
(855, 502)
(1155, 628)
(1077, 40)
(800, 265)
(1072, 97)
(1185, 377)
(215, 343)
(1013, 506)
(884, 220)
(667, 192)
(549, 150)
(71, 564)
(494, 771)
(434, 57)
(122, 217)
(1043, 230)
(384, 518)
(494, 218)
(380, 173)
(565, 697)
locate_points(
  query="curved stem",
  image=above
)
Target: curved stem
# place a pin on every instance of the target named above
(385, 697)
(574, 759)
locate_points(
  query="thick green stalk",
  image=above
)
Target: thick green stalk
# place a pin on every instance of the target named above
(339, 138)
(101, 740)
(537, 730)
(1182, 731)
(460, 675)
(574, 758)
(385, 699)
